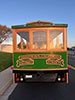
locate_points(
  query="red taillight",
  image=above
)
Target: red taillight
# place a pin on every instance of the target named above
(63, 79)
(17, 79)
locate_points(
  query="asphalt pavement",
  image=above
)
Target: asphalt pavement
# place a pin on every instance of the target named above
(45, 91)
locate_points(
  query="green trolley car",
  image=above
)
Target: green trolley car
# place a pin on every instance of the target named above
(40, 52)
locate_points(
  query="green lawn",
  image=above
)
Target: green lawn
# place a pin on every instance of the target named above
(5, 60)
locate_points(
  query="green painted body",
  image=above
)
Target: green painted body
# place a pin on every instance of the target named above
(39, 62)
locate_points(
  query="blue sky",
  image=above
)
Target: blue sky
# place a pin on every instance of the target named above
(21, 11)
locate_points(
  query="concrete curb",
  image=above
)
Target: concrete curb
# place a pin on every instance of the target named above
(5, 80)
(4, 88)
(7, 93)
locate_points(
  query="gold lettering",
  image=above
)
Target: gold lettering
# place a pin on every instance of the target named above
(50, 59)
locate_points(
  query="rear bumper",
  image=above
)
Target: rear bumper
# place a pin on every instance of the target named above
(40, 75)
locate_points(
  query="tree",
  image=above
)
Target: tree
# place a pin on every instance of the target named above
(4, 33)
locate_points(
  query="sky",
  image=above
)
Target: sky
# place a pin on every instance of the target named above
(14, 12)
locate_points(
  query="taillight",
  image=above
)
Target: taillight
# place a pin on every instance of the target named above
(63, 79)
(17, 79)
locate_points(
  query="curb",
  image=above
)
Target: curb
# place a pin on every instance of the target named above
(5, 87)
(6, 80)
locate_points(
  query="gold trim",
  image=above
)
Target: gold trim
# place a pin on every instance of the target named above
(39, 51)
(41, 69)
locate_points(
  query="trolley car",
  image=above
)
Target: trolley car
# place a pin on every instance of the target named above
(40, 52)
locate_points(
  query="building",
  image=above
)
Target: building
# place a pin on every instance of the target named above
(7, 48)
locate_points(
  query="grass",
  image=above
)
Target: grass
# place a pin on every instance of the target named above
(5, 60)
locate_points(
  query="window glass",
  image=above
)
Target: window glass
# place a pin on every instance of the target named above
(39, 40)
(56, 39)
(22, 40)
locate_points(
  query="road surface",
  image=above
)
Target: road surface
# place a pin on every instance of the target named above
(46, 91)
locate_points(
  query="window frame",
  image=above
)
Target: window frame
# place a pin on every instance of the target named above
(47, 30)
